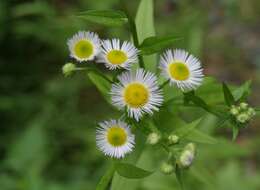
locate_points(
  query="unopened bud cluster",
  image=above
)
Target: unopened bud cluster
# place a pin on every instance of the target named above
(242, 112)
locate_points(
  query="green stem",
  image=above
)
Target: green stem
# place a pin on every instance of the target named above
(133, 30)
(102, 75)
(164, 84)
(94, 70)
(106, 178)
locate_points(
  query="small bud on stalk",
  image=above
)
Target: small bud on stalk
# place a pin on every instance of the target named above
(173, 139)
(167, 168)
(153, 138)
(68, 69)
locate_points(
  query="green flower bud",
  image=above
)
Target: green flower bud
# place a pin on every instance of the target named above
(234, 110)
(190, 147)
(251, 112)
(167, 168)
(243, 117)
(153, 138)
(243, 105)
(186, 158)
(173, 139)
(68, 69)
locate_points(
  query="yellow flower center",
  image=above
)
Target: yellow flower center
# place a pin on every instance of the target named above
(116, 57)
(83, 49)
(136, 95)
(116, 136)
(179, 71)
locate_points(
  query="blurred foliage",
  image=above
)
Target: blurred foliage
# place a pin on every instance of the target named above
(47, 138)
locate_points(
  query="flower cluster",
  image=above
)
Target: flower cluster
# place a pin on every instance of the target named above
(243, 113)
(135, 92)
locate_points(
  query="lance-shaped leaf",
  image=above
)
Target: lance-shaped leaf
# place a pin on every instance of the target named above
(145, 28)
(106, 178)
(229, 98)
(156, 44)
(201, 137)
(242, 92)
(257, 110)
(102, 84)
(235, 132)
(190, 96)
(179, 176)
(104, 17)
(131, 171)
(185, 130)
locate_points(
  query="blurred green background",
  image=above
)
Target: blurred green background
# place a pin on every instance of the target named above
(47, 130)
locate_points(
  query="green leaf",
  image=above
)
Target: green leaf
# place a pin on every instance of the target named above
(102, 85)
(201, 137)
(242, 92)
(190, 96)
(137, 157)
(156, 44)
(179, 176)
(131, 171)
(257, 110)
(39, 8)
(145, 28)
(26, 152)
(185, 130)
(104, 17)
(229, 98)
(105, 180)
(235, 132)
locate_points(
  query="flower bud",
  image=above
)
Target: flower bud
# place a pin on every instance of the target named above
(68, 69)
(234, 110)
(173, 139)
(166, 168)
(251, 112)
(243, 105)
(153, 138)
(186, 158)
(243, 117)
(191, 147)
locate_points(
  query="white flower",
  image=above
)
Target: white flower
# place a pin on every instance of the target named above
(84, 46)
(117, 56)
(182, 69)
(138, 92)
(114, 138)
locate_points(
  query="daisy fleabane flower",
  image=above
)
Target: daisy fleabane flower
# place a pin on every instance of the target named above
(182, 69)
(84, 46)
(138, 92)
(117, 56)
(114, 138)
